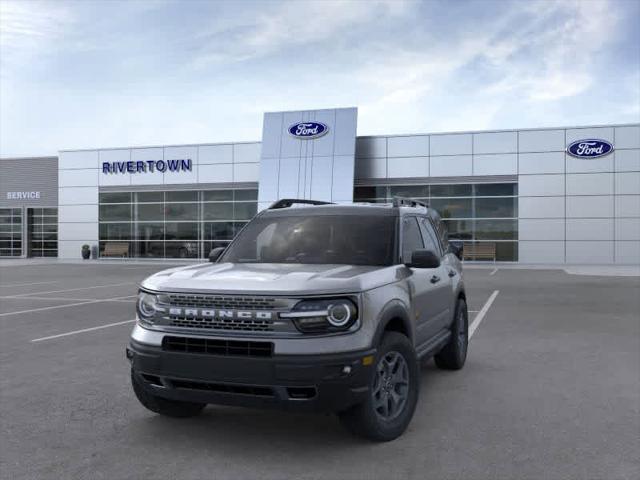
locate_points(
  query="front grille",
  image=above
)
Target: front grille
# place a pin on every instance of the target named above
(222, 301)
(231, 348)
(235, 324)
(254, 390)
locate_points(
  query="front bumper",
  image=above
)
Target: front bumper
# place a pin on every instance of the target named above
(327, 383)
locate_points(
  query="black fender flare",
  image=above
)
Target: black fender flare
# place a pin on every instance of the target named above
(392, 310)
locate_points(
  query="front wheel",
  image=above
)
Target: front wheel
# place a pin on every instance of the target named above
(163, 406)
(454, 353)
(393, 393)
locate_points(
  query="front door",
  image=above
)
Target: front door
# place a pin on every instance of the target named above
(425, 285)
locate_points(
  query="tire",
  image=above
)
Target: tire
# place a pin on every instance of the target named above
(454, 353)
(368, 419)
(162, 406)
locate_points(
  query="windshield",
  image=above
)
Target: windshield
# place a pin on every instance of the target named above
(320, 239)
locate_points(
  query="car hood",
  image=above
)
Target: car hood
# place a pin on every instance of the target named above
(272, 278)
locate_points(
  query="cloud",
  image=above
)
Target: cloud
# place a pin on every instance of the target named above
(288, 25)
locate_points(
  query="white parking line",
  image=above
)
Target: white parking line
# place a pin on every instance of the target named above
(117, 299)
(81, 331)
(66, 305)
(493, 272)
(483, 312)
(74, 289)
(25, 284)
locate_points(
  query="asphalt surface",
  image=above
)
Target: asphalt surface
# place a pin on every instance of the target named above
(551, 389)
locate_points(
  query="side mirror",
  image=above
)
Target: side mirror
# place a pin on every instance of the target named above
(215, 254)
(457, 249)
(424, 259)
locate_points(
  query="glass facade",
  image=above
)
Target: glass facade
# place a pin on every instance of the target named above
(173, 224)
(10, 232)
(42, 228)
(473, 212)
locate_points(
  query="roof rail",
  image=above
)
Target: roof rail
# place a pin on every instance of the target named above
(408, 202)
(288, 202)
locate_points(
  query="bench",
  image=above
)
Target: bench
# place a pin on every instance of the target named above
(479, 251)
(116, 250)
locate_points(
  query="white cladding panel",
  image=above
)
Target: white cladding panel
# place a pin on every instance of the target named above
(544, 162)
(541, 229)
(627, 183)
(628, 137)
(77, 195)
(451, 166)
(589, 229)
(627, 160)
(541, 207)
(371, 147)
(593, 253)
(591, 206)
(590, 184)
(628, 229)
(601, 133)
(404, 167)
(627, 205)
(495, 142)
(452, 144)
(627, 252)
(79, 159)
(77, 213)
(541, 185)
(502, 164)
(410, 146)
(540, 252)
(215, 154)
(215, 173)
(371, 167)
(541, 141)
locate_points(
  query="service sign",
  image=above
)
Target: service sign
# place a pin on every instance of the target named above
(308, 130)
(589, 148)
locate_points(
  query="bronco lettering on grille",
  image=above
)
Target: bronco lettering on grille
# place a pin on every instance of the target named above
(211, 313)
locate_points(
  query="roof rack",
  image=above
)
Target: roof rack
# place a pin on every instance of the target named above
(288, 202)
(408, 202)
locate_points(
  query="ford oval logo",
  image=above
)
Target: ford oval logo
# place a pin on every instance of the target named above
(308, 130)
(590, 148)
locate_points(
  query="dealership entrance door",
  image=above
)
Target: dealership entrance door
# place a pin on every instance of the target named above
(42, 232)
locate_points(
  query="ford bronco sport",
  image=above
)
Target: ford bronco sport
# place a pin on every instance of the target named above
(322, 308)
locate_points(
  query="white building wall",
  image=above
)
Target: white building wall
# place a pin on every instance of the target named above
(80, 177)
(571, 210)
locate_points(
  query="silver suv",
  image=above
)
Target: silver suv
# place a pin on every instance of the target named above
(320, 308)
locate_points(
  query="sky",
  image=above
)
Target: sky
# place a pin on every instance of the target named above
(84, 74)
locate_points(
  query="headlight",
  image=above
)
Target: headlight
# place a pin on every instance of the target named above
(323, 315)
(147, 306)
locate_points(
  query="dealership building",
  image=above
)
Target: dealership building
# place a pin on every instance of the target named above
(544, 195)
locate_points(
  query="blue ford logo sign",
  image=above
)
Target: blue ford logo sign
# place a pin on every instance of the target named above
(590, 148)
(308, 130)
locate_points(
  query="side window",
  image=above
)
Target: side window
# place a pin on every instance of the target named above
(411, 238)
(430, 238)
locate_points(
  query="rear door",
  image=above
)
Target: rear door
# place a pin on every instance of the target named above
(422, 289)
(441, 281)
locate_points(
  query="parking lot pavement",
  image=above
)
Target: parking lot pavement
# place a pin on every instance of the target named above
(550, 390)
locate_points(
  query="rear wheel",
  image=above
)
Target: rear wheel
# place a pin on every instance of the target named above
(393, 392)
(454, 353)
(162, 406)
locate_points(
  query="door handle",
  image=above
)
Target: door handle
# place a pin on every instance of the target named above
(435, 279)
(452, 273)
